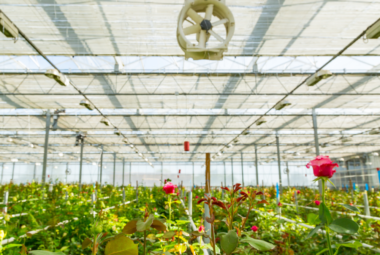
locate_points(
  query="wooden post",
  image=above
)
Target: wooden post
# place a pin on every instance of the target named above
(207, 193)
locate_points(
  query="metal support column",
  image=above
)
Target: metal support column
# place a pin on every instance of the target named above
(242, 169)
(162, 173)
(114, 168)
(122, 183)
(315, 126)
(225, 176)
(279, 162)
(287, 172)
(13, 171)
(2, 173)
(44, 165)
(206, 215)
(34, 172)
(101, 166)
(81, 163)
(232, 171)
(257, 166)
(193, 183)
(130, 173)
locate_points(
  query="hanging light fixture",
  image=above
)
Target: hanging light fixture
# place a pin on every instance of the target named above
(317, 77)
(261, 121)
(105, 121)
(282, 105)
(186, 146)
(117, 132)
(374, 31)
(60, 154)
(86, 104)
(58, 77)
(7, 27)
(346, 139)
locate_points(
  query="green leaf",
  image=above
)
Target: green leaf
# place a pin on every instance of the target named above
(130, 228)
(324, 214)
(169, 234)
(352, 208)
(45, 253)
(313, 219)
(314, 231)
(11, 246)
(322, 251)
(258, 244)
(331, 183)
(351, 244)
(143, 226)
(121, 245)
(344, 226)
(229, 242)
(158, 225)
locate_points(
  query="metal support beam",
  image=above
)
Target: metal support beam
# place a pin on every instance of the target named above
(130, 173)
(34, 172)
(225, 176)
(242, 169)
(279, 163)
(114, 169)
(81, 163)
(193, 178)
(232, 171)
(316, 142)
(287, 172)
(162, 173)
(122, 183)
(13, 171)
(46, 145)
(257, 166)
(101, 165)
(2, 173)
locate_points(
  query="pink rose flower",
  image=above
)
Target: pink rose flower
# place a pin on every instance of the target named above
(298, 192)
(323, 166)
(201, 229)
(317, 202)
(254, 228)
(169, 188)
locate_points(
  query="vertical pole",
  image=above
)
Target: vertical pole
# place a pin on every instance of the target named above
(81, 164)
(34, 173)
(101, 166)
(193, 177)
(296, 200)
(46, 147)
(123, 173)
(130, 173)
(5, 201)
(207, 193)
(316, 142)
(366, 205)
(287, 172)
(225, 176)
(242, 169)
(190, 205)
(232, 171)
(114, 168)
(2, 174)
(13, 171)
(137, 192)
(162, 173)
(257, 166)
(279, 162)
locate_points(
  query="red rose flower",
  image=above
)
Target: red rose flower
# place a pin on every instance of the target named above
(254, 228)
(201, 229)
(298, 192)
(169, 188)
(317, 202)
(323, 166)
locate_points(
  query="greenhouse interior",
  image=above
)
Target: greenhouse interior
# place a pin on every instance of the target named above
(198, 127)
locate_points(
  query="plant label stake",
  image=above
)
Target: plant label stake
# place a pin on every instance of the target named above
(93, 200)
(366, 205)
(66, 196)
(296, 200)
(6, 195)
(123, 195)
(51, 188)
(278, 208)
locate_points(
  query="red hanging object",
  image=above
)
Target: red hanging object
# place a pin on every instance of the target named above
(177, 176)
(179, 171)
(186, 146)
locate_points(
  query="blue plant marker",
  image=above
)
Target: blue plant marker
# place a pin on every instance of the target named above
(353, 186)
(366, 187)
(378, 173)
(278, 190)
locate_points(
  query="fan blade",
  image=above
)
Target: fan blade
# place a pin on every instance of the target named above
(219, 22)
(202, 39)
(194, 16)
(218, 37)
(209, 10)
(192, 30)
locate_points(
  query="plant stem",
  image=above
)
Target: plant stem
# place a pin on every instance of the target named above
(144, 242)
(327, 228)
(170, 211)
